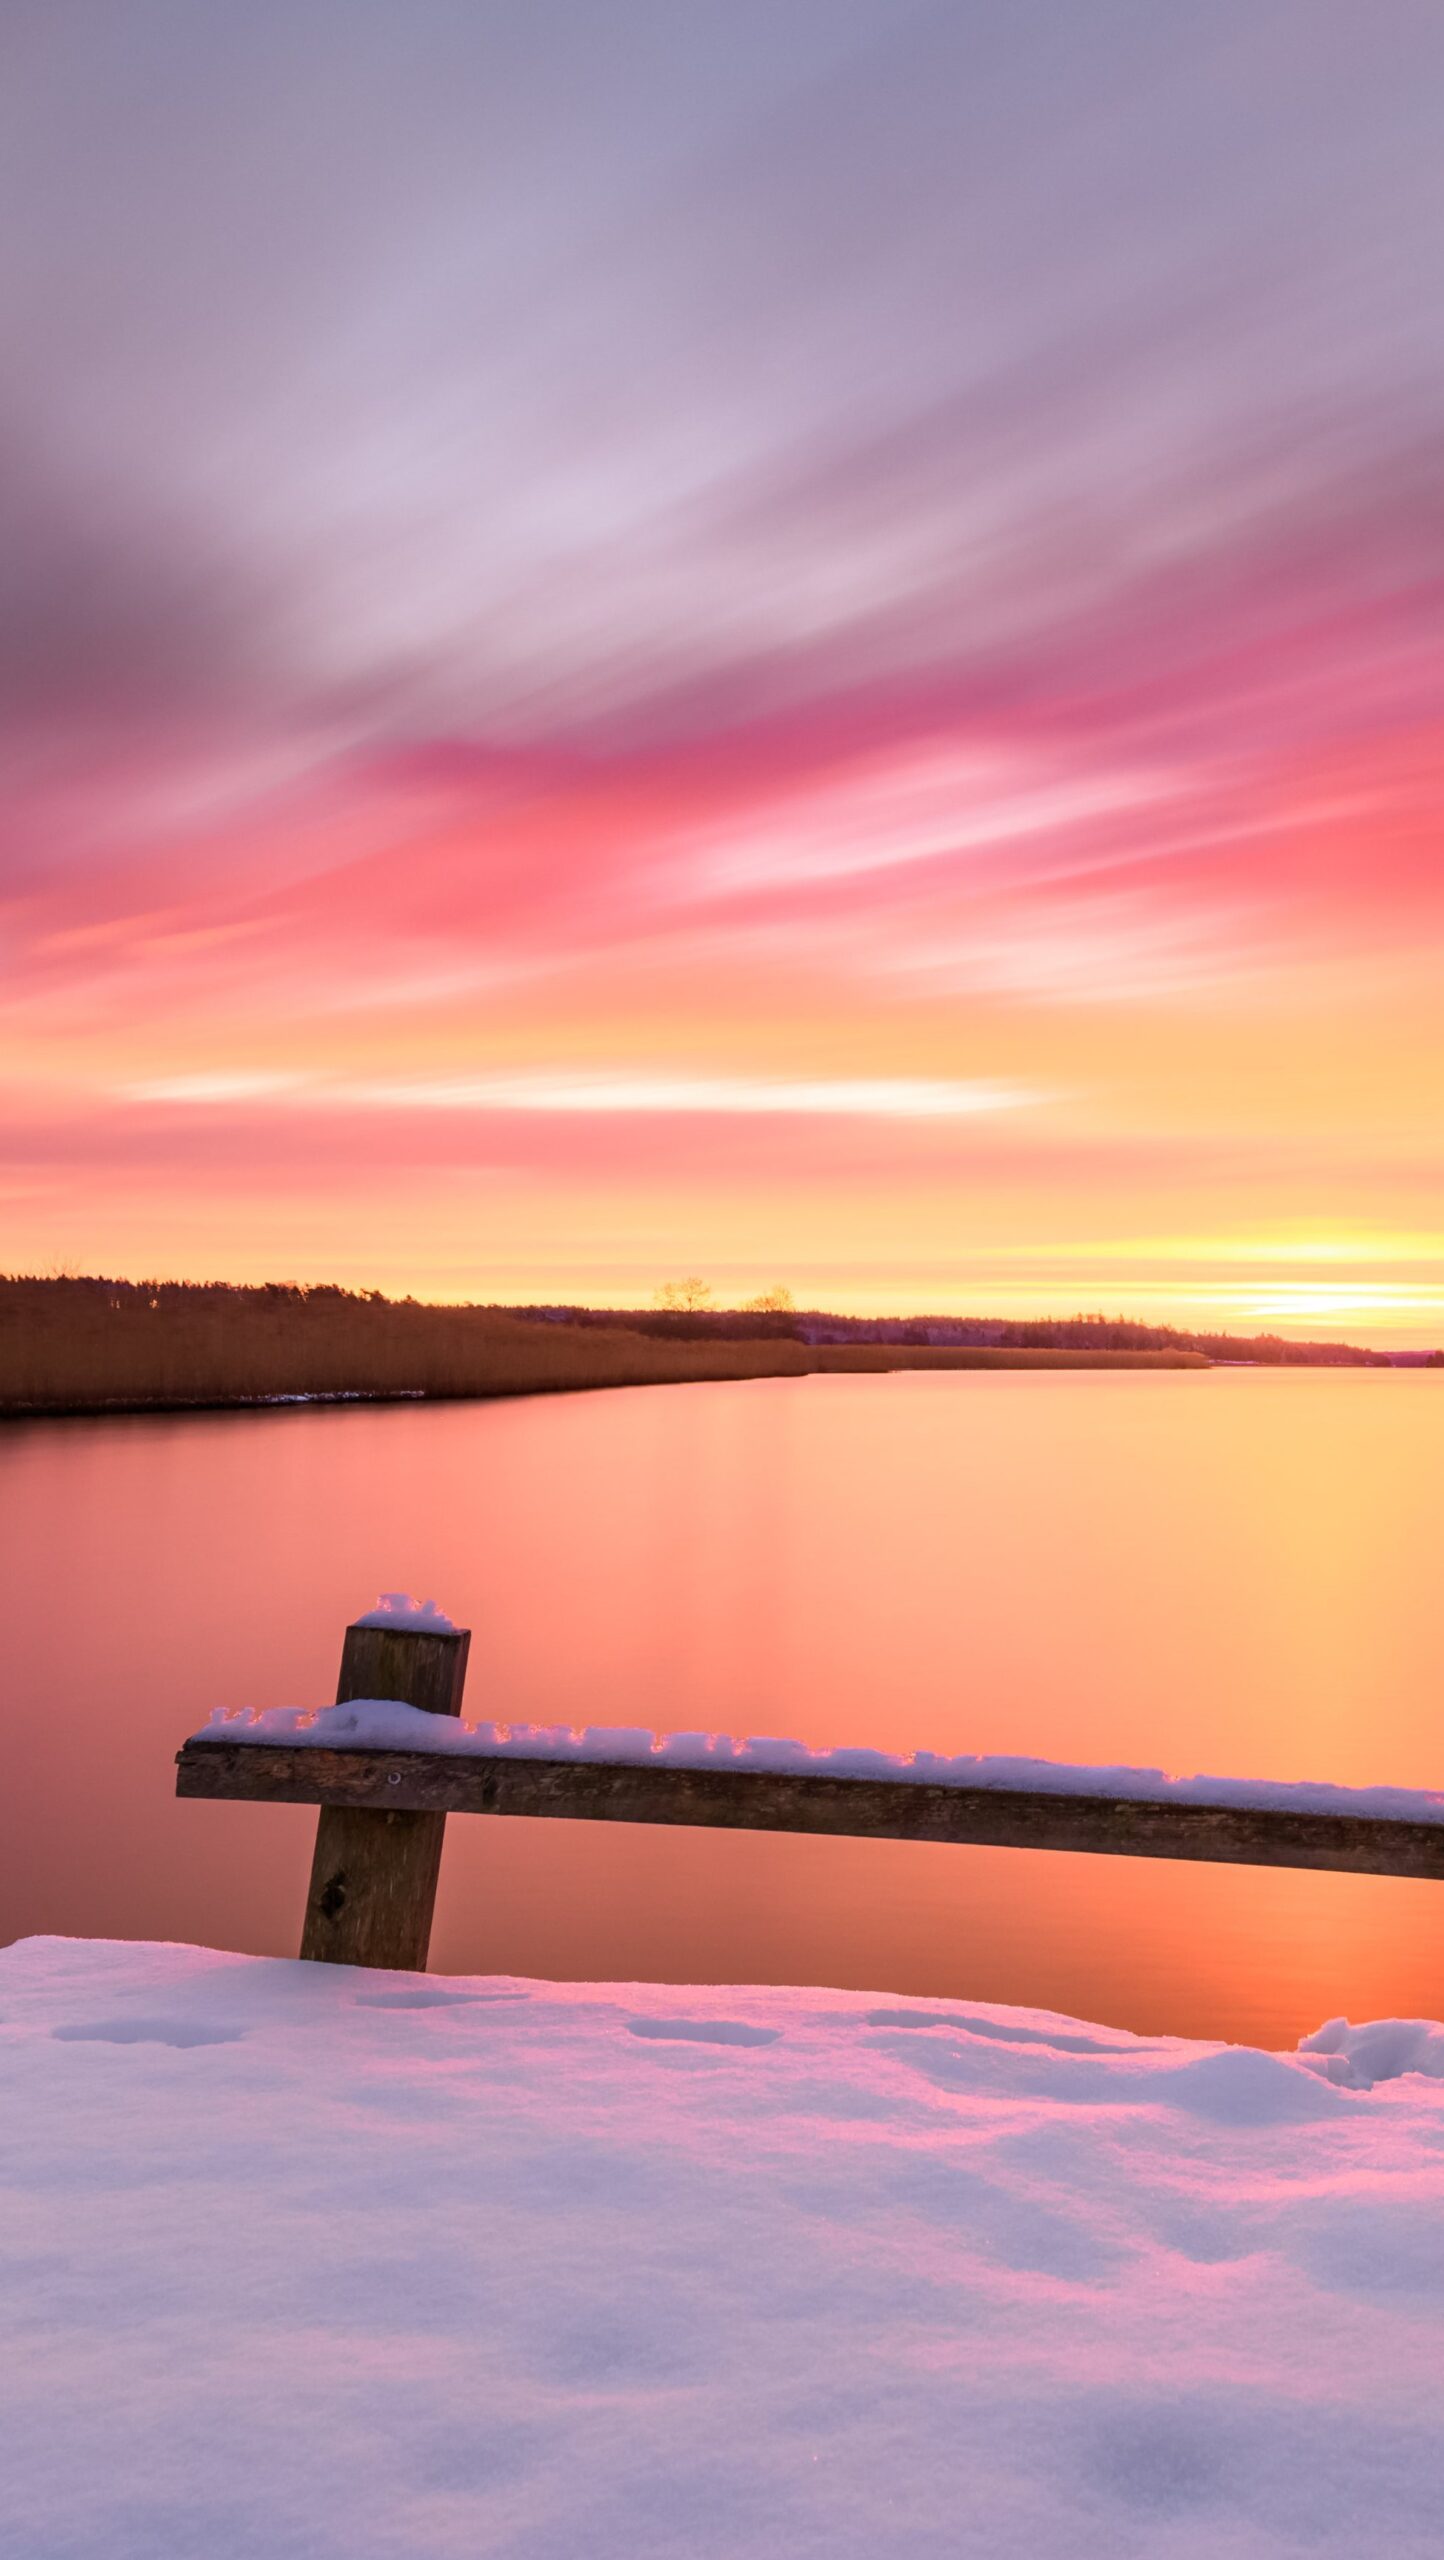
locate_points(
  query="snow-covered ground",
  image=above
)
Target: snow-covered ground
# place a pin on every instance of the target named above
(301, 2263)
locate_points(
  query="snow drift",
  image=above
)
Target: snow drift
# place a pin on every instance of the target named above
(347, 2266)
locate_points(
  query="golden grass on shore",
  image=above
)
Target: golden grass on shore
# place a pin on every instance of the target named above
(978, 1355)
(77, 1346)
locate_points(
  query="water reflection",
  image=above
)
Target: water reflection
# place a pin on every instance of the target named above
(1205, 1572)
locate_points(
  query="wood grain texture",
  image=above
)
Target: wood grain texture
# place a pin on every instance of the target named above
(425, 1669)
(857, 1808)
(375, 1869)
(373, 1888)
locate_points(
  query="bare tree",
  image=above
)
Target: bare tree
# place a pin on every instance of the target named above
(683, 1297)
(769, 1302)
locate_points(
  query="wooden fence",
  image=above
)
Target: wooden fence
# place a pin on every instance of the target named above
(383, 1812)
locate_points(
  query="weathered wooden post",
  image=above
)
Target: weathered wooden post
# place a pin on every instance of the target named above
(373, 1877)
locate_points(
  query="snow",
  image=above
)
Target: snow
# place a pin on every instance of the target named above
(385, 1724)
(326, 2265)
(418, 1617)
(1360, 2057)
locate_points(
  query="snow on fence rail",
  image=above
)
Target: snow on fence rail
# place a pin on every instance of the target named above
(386, 1772)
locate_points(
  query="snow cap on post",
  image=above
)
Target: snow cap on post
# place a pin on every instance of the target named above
(417, 1617)
(407, 1649)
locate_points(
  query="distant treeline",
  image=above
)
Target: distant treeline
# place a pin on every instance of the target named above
(1040, 1333)
(95, 1345)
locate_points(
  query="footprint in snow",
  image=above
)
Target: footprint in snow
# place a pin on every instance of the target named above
(997, 2030)
(702, 2031)
(174, 2031)
(431, 1999)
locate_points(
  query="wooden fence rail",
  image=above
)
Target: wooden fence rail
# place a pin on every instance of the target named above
(378, 1842)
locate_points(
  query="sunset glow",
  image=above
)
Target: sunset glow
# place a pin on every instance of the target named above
(849, 698)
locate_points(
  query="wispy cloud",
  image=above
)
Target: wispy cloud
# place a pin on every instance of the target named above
(938, 804)
(613, 1094)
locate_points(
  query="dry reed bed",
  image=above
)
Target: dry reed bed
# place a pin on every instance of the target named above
(91, 1346)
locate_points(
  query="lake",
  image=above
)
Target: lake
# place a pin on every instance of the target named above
(1230, 1571)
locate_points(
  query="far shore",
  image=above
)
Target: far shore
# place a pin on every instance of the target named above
(78, 1347)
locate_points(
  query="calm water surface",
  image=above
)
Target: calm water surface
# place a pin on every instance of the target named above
(1223, 1571)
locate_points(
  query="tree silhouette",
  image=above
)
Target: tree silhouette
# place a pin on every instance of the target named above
(683, 1297)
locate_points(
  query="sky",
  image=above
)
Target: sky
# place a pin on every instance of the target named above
(793, 640)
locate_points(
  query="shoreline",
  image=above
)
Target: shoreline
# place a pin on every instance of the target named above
(830, 1359)
(93, 1347)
